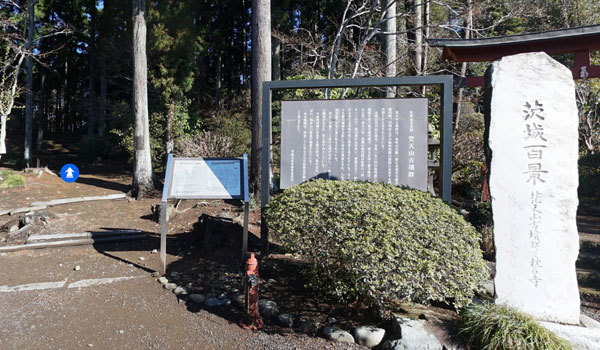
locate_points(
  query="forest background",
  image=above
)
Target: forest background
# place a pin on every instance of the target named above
(199, 64)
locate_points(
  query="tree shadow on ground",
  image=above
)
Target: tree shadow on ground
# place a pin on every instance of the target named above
(109, 185)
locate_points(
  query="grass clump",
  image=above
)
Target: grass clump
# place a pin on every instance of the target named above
(496, 327)
(9, 179)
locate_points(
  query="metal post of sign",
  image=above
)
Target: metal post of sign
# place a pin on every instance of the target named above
(163, 218)
(444, 81)
(246, 209)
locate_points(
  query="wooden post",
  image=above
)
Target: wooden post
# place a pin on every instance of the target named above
(163, 237)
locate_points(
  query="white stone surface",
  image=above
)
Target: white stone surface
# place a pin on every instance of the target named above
(368, 336)
(533, 137)
(582, 338)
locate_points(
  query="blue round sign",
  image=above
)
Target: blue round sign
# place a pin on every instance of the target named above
(69, 173)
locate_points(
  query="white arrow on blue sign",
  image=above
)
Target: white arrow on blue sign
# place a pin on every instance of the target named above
(69, 173)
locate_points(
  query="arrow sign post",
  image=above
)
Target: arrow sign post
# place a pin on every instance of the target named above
(69, 173)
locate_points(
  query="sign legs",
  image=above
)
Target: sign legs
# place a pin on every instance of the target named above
(163, 238)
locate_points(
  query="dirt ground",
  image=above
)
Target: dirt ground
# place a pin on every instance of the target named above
(127, 308)
(133, 312)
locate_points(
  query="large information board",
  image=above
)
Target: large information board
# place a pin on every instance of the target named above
(379, 140)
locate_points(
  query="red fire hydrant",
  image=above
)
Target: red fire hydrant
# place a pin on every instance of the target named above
(252, 320)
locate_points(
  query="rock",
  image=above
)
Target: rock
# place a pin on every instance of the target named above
(337, 335)
(331, 320)
(163, 280)
(223, 296)
(211, 302)
(197, 298)
(533, 138)
(170, 286)
(142, 258)
(368, 336)
(307, 326)
(582, 338)
(413, 336)
(180, 291)
(285, 320)
(77, 268)
(488, 286)
(154, 251)
(239, 300)
(155, 274)
(268, 309)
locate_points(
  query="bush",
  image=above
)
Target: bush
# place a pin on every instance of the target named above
(205, 144)
(496, 327)
(379, 241)
(480, 216)
(11, 180)
(589, 177)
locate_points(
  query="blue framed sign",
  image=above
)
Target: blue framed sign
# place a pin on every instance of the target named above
(204, 178)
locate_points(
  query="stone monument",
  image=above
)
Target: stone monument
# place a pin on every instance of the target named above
(532, 148)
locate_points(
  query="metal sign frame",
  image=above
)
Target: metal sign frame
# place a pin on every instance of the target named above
(244, 195)
(444, 81)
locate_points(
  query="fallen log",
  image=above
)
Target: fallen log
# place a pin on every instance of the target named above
(94, 234)
(72, 242)
(78, 199)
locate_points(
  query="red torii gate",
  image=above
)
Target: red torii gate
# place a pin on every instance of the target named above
(578, 41)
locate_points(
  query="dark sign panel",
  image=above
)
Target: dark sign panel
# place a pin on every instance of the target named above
(379, 140)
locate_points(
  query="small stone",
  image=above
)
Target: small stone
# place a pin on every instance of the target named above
(197, 298)
(368, 336)
(286, 320)
(268, 308)
(331, 320)
(180, 291)
(121, 331)
(60, 265)
(413, 335)
(163, 280)
(210, 302)
(235, 290)
(77, 268)
(90, 345)
(223, 296)
(154, 251)
(155, 274)
(142, 258)
(170, 286)
(239, 299)
(337, 335)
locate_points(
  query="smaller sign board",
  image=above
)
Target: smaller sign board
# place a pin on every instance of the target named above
(205, 178)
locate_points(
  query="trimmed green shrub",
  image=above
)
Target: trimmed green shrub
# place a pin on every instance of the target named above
(496, 327)
(379, 241)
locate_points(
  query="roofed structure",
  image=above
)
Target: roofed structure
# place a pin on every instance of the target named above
(579, 41)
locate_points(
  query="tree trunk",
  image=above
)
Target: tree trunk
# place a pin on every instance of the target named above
(29, 93)
(390, 44)
(418, 36)
(102, 115)
(276, 64)
(143, 176)
(261, 71)
(463, 66)
(92, 56)
(42, 111)
(218, 64)
(169, 143)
